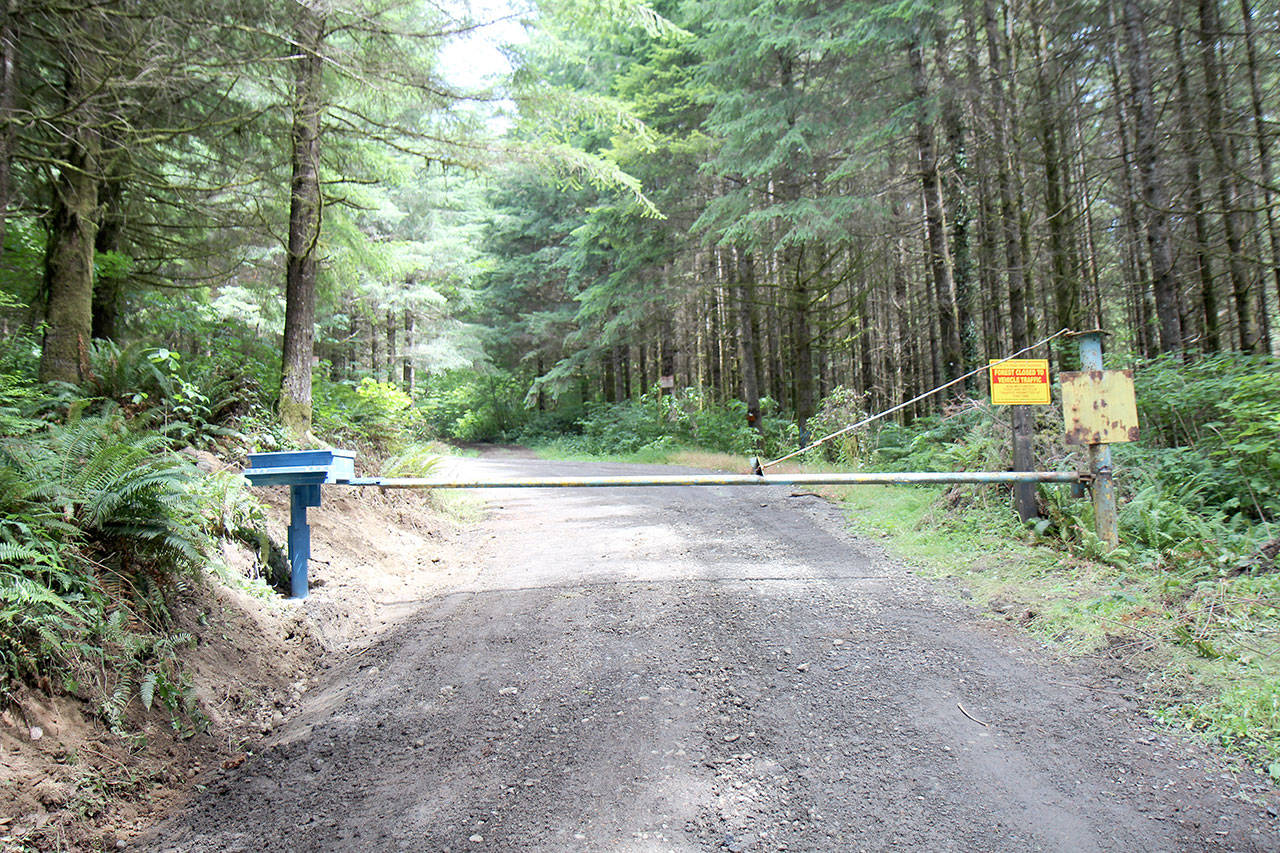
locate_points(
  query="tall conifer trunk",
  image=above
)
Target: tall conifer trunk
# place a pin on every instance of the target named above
(1024, 495)
(305, 208)
(73, 229)
(1154, 195)
(802, 338)
(1067, 305)
(1010, 219)
(106, 290)
(959, 201)
(949, 352)
(1228, 189)
(1262, 136)
(407, 374)
(8, 100)
(1139, 292)
(1208, 308)
(391, 325)
(744, 272)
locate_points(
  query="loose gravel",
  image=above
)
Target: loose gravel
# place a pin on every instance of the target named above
(710, 669)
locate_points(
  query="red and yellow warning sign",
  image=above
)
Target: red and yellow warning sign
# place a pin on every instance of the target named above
(1020, 382)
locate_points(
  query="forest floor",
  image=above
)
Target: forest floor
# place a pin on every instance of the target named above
(690, 670)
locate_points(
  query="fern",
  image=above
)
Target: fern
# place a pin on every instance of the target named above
(147, 689)
(98, 525)
(112, 707)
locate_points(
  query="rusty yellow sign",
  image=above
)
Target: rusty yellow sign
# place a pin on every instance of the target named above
(1099, 407)
(1020, 382)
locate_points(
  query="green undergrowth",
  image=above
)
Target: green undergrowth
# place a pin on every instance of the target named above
(107, 521)
(664, 453)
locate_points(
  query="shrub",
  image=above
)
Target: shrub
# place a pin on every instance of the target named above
(542, 427)
(416, 460)
(44, 579)
(471, 407)
(1214, 423)
(127, 498)
(371, 412)
(189, 401)
(98, 523)
(17, 375)
(965, 437)
(688, 418)
(839, 409)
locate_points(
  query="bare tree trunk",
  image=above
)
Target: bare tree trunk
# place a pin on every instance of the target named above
(406, 361)
(106, 290)
(713, 340)
(802, 340)
(1195, 198)
(624, 353)
(902, 312)
(773, 322)
(608, 383)
(375, 347)
(1066, 286)
(1139, 291)
(1009, 212)
(872, 393)
(1090, 260)
(1264, 148)
(745, 275)
(1024, 496)
(1154, 195)
(1228, 191)
(949, 351)
(305, 213)
(8, 100)
(392, 323)
(961, 196)
(541, 397)
(992, 317)
(642, 366)
(667, 350)
(351, 359)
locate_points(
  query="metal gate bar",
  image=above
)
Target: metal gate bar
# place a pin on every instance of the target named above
(877, 478)
(304, 471)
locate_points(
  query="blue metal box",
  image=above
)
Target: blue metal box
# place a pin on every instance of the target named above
(301, 467)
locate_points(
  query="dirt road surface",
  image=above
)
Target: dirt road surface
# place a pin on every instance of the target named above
(709, 669)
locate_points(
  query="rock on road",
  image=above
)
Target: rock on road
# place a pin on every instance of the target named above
(705, 669)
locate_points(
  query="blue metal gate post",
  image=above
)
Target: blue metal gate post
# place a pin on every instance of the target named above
(1104, 490)
(300, 497)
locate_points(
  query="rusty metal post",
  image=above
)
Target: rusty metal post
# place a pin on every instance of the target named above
(1024, 494)
(1104, 492)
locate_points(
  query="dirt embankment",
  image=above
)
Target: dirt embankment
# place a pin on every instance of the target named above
(68, 783)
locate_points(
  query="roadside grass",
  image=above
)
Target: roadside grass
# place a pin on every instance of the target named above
(1204, 647)
(1205, 650)
(654, 454)
(463, 508)
(425, 459)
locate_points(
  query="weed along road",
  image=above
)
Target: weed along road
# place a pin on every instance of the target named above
(708, 669)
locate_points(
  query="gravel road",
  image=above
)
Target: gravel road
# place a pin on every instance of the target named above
(709, 669)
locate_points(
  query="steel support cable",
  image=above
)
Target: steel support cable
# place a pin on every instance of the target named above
(761, 466)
